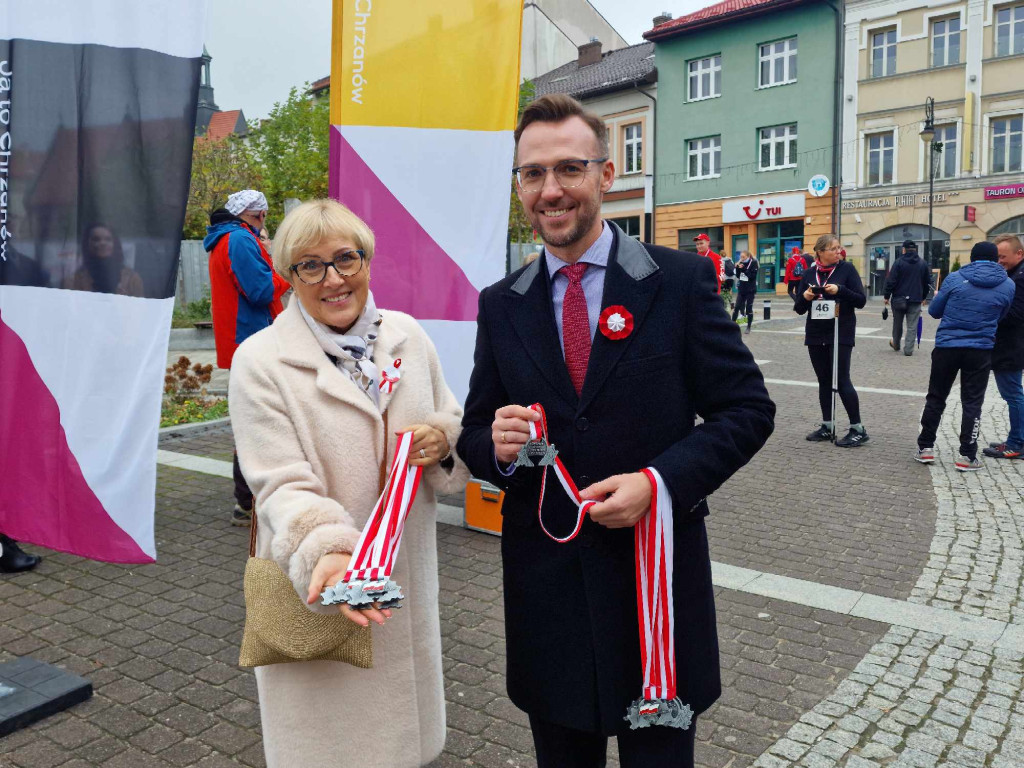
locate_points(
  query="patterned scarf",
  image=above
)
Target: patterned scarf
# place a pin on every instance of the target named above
(352, 352)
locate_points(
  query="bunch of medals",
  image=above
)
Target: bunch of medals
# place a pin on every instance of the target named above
(367, 582)
(658, 703)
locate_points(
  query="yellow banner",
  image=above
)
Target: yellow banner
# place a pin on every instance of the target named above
(426, 64)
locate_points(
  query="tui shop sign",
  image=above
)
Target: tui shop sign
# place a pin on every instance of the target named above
(763, 208)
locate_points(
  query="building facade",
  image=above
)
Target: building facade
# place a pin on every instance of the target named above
(969, 58)
(747, 103)
(621, 87)
(553, 30)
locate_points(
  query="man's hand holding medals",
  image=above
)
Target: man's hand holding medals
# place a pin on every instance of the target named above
(638, 500)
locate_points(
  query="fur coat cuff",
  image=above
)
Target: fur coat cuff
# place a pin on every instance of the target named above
(309, 536)
(447, 481)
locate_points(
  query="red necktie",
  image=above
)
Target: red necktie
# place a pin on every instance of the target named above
(575, 326)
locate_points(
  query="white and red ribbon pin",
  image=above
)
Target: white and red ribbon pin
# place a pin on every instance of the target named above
(368, 579)
(389, 377)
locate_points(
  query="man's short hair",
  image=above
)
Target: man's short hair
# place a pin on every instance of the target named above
(557, 108)
(1013, 240)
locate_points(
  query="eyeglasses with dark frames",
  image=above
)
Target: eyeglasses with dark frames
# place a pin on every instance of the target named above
(313, 271)
(568, 173)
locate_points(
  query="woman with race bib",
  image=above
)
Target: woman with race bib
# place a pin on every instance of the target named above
(830, 289)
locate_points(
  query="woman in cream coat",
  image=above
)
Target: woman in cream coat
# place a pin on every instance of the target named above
(306, 408)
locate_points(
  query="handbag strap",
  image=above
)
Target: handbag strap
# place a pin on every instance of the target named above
(381, 481)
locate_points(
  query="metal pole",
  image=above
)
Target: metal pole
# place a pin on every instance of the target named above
(835, 367)
(931, 200)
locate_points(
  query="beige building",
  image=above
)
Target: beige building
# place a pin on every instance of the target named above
(969, 58)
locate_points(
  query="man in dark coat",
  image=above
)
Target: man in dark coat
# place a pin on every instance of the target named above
(617, 400)
(908, 285)
(1008, 353)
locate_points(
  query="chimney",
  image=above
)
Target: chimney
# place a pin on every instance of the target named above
(590, 53)
(662, 18)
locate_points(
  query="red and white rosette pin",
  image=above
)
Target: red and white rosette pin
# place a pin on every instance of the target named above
(616, 322)
(389, 377)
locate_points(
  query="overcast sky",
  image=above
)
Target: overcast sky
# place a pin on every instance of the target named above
(261, 48)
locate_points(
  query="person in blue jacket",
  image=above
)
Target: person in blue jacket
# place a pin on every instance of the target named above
(970, 304)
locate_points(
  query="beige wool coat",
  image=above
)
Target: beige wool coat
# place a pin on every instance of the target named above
(310, 446)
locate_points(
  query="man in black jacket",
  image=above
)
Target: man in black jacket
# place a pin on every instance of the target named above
(909, 284)
(621, 389)
(1008, 353)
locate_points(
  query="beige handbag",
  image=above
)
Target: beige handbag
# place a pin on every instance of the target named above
(279, 628)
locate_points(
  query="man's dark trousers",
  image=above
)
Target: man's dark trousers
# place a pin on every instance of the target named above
(973, 365)
(561, 747)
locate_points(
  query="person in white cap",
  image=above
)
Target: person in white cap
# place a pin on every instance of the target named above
(245, 293)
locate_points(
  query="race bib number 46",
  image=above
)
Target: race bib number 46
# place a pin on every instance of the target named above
(823, 310)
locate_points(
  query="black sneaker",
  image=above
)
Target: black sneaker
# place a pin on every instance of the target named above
(820, 435)
(1003, 452)
(853, 439)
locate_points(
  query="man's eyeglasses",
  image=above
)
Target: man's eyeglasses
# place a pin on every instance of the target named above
(568, 173)
(313, 271)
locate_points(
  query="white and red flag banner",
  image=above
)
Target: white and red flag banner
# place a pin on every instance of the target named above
(97, 115)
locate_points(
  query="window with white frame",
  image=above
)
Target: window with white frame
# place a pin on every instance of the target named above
(778, 63)
(883, 53)
(1007, 137)
(705, 157)
(705, 78)
(880, 158)
(945, 160)
(946, 42)
(1009, 30)
(778, 147)
(632, 143)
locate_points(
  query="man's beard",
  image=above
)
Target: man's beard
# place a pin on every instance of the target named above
(584, 221)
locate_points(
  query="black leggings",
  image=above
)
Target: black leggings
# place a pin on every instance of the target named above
(821, 360)
(744, 306)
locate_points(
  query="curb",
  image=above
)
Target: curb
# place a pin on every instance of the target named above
(195, 428)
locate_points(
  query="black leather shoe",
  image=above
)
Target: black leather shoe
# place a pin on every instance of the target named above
(13, 560)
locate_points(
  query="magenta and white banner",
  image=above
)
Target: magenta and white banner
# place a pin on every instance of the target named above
(97, 115)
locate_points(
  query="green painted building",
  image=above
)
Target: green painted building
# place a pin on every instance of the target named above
(747, 99)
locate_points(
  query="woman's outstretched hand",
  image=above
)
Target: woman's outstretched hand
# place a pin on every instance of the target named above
(329, 570)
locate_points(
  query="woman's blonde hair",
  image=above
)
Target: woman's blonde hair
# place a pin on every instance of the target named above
(824, 241)
(313, 222)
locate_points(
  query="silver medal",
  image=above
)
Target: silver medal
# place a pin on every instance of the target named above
(536, 453)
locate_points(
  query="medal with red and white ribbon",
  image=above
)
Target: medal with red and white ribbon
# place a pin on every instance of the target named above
(658, 703)
(368, 578)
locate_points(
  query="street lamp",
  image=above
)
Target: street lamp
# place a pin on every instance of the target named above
(933, 148)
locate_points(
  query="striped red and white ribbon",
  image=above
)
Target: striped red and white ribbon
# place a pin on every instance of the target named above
(658, 704)
(377, 548)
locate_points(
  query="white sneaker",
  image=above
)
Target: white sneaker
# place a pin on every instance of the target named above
(963, 464)
(925, 455)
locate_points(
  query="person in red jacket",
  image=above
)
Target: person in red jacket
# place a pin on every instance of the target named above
(245, 293)
(795, 268)
(704, 249)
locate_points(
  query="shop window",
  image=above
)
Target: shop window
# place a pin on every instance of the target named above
(778, 147)
(945, 160)
(1010, 30)
(881, 156)
(946, 42)
(775, 241)
(716, 235)
(705, 78)
(629, 224)
(705, 156)
(632, 143)
(1007, 135)
(1014, 226)
(778, 63)
(883, 53)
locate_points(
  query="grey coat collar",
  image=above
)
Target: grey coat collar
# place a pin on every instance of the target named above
(627, 252)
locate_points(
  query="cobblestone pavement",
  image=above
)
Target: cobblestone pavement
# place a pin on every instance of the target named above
(803, 686)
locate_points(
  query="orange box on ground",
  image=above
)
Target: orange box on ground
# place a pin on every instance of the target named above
(483, 507)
